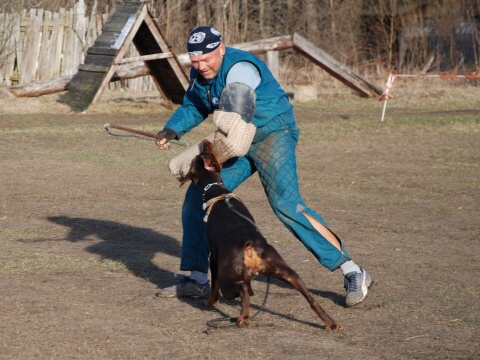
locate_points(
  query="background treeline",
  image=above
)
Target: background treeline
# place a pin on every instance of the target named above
(372, 36)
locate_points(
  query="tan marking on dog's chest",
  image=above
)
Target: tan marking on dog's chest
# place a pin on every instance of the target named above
(251, 260)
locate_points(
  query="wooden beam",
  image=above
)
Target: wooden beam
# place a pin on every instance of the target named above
(60, 84)
(144, 58)
(254, 47)
(173, 62)
(333, 67)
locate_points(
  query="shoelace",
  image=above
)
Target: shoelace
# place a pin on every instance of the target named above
(350, 283)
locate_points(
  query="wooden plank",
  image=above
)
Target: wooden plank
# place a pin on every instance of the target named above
(81, 90)
(101, 50)
(3, 45)
(24, 35)
(106, 39)
(92, 26)
(99, 21)
(57, 43)
(44, 60)
(7, 52)
(144, 58)
(68, 42)
(93, 68)
(117, 21)
(18, 41)
(103, 84)
(330, 65)
(99, 60)
(128, 32)
(32, 47)
(79, 31)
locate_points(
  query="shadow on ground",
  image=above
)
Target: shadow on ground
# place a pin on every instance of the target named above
(136, 247)
(132, 246)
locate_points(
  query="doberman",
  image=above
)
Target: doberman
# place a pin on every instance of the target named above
(238, 251)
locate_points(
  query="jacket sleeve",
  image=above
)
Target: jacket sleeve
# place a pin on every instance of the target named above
(191, 113)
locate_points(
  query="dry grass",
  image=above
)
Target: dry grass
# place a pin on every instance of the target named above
(90, 229)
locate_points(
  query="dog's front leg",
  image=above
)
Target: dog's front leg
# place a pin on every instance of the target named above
(246, 314)
(214, 298)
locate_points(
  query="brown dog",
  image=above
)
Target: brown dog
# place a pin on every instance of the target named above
(238, 251)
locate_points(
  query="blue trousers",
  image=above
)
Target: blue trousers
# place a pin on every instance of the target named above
(272, 154)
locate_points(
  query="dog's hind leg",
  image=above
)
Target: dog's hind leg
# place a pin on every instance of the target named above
(295, 280)
(291, 277)
(276, 267)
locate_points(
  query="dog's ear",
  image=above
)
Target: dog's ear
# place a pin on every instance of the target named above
(209, 146)
(190, 175)
(185, 179)
(211, 164)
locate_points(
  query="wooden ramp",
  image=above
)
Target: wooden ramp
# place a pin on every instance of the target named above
(335, 68)
(130, 22)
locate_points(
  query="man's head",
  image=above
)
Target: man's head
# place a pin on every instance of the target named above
(206, 50)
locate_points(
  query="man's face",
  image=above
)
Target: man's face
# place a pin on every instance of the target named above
(209, 64)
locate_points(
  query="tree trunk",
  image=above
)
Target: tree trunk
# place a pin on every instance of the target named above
(201, 14)
(311, 16)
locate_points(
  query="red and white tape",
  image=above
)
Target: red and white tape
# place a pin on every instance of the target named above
(393, 77)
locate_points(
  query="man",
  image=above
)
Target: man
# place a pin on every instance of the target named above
(230, 82)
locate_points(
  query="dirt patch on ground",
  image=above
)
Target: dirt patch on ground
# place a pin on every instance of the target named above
(90, 229)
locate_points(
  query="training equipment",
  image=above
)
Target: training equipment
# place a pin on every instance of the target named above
(235, 129)
(239, 98)
(392, 77)
(232, 139)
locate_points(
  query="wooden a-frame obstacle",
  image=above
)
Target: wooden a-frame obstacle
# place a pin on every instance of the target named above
(130, 22)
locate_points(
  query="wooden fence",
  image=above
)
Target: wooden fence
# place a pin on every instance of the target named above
(41, 45)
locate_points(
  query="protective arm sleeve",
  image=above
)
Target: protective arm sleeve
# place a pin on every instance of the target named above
(235, 129)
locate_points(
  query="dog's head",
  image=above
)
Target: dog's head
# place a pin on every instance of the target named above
(205, 166)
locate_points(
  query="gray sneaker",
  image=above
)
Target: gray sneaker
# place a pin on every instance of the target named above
(186, 287)
(356, 285)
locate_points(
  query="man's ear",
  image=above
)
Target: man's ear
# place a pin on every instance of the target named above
(222, 48)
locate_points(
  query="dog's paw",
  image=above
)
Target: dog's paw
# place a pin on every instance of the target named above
(335, 326)
(243, 322)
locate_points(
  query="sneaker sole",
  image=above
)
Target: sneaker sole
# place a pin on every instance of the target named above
(160, 295)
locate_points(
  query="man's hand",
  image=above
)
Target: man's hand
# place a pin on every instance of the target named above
(168, 134)
(163, 144)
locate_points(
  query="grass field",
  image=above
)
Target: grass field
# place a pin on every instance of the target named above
(90, 229)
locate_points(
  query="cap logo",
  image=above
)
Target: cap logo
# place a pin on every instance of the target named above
(197, 38)
(212, 45)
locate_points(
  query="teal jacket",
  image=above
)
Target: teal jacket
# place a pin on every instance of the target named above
(201, 99)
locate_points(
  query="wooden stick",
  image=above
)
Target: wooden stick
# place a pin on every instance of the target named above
(139, 132)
